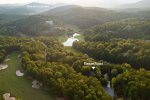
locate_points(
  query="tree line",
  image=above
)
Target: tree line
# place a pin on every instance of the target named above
(134, 52)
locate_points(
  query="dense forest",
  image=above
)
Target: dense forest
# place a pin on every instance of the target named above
(128, 28)
(55, 74)
(118, 39)
(46, 60)
(33, 26)
(134, 52)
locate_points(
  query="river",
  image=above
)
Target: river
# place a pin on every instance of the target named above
(108, 88)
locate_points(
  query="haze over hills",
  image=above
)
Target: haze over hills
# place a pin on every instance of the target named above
(138, 5)
(35, 4)
(82, 17)
(26, 9)
(85, 17)
(36, 8)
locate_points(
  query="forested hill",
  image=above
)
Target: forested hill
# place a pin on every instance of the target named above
(131, 28)
(85, 17)
(71, 15)
(33, 26)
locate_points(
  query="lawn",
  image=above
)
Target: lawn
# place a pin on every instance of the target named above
(19, 86)
(80, 37)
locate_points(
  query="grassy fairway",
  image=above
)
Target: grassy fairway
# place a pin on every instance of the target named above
(19, 86)
(80, 37)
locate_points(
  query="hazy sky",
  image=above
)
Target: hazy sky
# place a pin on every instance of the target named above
(100, 3)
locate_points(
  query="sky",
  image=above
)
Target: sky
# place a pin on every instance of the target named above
(98, 3)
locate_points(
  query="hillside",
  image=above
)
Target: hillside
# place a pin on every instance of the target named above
(70, 16)
(82, 17)
(85, 17)
(34, 25)
(131, 28)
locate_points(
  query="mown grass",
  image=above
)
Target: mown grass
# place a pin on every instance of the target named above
(80, 37)
(19, 86)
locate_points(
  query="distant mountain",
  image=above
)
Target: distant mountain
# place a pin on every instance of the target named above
(26, 9)
(85, 17)
(143, 4)
(35, 4)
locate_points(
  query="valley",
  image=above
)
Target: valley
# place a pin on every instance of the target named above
(73, 52)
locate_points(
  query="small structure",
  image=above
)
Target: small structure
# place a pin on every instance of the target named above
(6, 96)
(19, 73)
(51, 23)
(36, 84)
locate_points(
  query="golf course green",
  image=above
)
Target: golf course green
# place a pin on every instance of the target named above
(19, 87)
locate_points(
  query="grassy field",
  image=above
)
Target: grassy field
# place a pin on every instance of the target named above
(62, 39)
(80, 37)
(19, 86)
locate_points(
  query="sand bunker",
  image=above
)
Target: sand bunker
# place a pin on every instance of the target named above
(3, 66)
(36, 84)
(19, 73)
(6, 60)
(6, 96)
